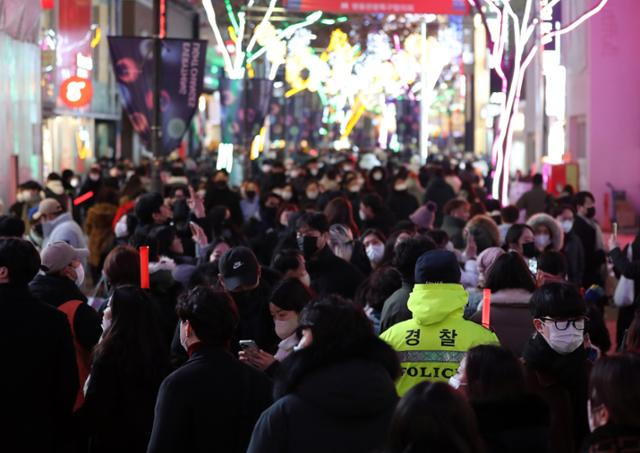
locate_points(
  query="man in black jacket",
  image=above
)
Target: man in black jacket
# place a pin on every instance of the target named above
(589, 232)
(58, 284)
(219, 194)
(329, 274)
(39, 384)
(213, 401)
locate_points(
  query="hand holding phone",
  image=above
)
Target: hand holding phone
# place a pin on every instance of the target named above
(248, 345)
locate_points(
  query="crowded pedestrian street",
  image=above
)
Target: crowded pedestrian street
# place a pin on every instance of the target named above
(320, 226)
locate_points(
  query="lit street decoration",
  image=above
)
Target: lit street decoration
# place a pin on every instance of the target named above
(523, 31)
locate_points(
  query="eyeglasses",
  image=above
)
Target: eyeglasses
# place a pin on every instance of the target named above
(563, 324)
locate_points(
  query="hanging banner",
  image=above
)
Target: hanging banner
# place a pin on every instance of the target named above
(451, 7)
(244, 105)
(180, 85)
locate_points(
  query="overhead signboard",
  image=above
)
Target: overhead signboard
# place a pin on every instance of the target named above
(451, 7)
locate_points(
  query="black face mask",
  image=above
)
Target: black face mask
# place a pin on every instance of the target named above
(308, 245)
(221, 185)
(591, 212)
(251, 194)
(529, 250)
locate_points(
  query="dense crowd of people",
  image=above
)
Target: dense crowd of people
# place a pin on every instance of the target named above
(329, 303)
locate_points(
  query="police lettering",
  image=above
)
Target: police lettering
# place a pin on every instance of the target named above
(425, 372)
(448, 337)
(413, 337)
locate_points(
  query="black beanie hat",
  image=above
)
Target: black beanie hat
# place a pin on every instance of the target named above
(437, 266)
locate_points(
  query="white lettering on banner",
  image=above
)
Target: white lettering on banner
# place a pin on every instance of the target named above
(184, 68)
(194, 73)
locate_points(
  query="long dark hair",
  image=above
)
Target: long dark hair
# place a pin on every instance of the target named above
(339, 210)
(510, 272)
(433, 417)
(134, 341)
(341, 331)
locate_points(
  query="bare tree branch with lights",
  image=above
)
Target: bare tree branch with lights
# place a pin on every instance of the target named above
(524, 50)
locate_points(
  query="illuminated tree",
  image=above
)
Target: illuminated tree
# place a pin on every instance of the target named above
(522, 29)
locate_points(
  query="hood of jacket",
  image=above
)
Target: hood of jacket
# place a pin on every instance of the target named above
(356, 388)
(432, 303)
(55, 290)
(557, 235)
(485, 232)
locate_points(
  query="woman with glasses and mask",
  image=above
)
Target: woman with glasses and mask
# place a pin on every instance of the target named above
(555, 362)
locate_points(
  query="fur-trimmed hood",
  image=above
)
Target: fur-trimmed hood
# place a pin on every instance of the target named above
(557, 235)
(485, 231)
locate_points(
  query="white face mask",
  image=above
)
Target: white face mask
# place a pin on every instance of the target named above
(375, 252)
(401, 186)
(363, 215)
(79, 275)
(285, 328)
(567, 225)
(564, 341)
(542, 240)
(286, 195)
(312, 195)
(377, 176)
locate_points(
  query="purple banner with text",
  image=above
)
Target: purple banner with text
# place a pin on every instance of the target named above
(180, 84)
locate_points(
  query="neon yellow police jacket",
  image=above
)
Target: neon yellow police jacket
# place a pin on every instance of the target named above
(432, 343)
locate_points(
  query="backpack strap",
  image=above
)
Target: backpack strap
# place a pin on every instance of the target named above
(83, 357)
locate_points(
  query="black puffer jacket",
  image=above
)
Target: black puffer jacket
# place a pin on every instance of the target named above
(56, 290)
(39, 380)
(345, 406)
(505, 423)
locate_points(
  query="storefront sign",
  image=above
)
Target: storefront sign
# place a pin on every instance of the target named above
(76, 92)
(181, 84)
(455, 7)
(74, 63)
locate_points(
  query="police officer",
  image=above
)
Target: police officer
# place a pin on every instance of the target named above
(433, 342)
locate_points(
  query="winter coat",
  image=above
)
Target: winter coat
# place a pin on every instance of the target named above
(440, 193)
(594, 255)
(56, 290)
(256, 322)
(164, 292)
(510, 318)
(433, 342)
(631, 270)
(574, 252)
(519, 424)
(224, 197)
(534, 201)
(118, 408)
(333, 275)
(454, 228)
(562, 381)
(557, 235)
(39, 381)
(613, 439)
(395, 308)
(98, 227)
(402, 204)
(344, 406)
(65, 229)
(209, 404)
